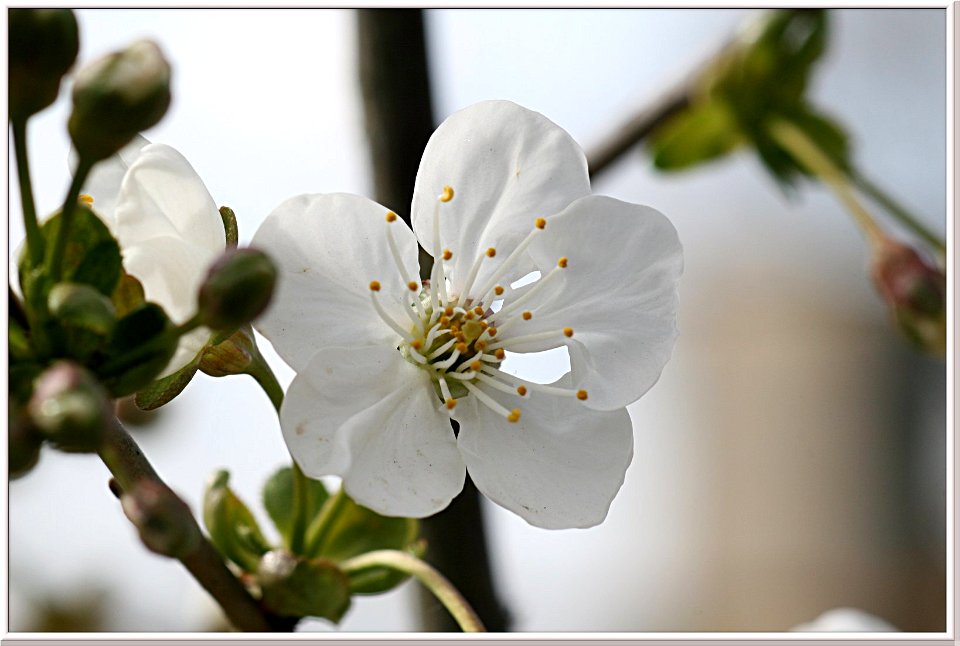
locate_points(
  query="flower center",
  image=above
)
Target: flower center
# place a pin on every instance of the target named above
(461, 340)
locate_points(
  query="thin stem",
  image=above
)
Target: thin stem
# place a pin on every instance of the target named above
(130, 467)
(66, 219)
(897, 211)
(319, 529)
(260, 370)
(34, 239)
(435, 582)
(796, 142)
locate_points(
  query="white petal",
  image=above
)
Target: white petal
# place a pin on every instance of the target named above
(162, 195)
(327, 249)
(558, 467)
(369, 416)
(618, 293)
(187, 350)
(103, 183)
(507, 166)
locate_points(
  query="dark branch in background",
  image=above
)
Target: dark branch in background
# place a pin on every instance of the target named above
(399, 120)
(168, 528)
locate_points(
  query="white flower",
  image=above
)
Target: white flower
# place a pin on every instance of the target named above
(168, 227)
(383, 362)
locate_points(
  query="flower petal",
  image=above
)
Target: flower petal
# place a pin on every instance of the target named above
(103, 183)
(371, 417)
(162, 195)
(618, 294)
(558, 467)
(327, 249)
(508, 166)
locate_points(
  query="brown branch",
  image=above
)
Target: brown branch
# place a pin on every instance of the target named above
(167, 527)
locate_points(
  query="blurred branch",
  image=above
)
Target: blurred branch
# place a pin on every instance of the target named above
(168, 528)
(399, 120)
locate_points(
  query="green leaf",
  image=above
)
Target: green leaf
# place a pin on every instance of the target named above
(278, 501)
(701, 133)
(81, 306)
(294, 587)
(91, 255)
(138, 350)
(163, 390)
(356, 530)
(128, 294)
(232, 527)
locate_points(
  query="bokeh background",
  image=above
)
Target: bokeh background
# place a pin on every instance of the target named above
(790, 460)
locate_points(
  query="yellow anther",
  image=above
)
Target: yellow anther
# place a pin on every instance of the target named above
(461, 347)
(444, 320)
(413, 286)
(568, 331)
(480, 346)
(521, 390)
(514, 415)
(562, 263)
(461, 337)
(447, 194)
(451, 404)
(492, 331)
(375, 285)
(527, 315)
(391, 216)
(498, 290)
(476, 365)
(416, 344)
(582, 395)
(491, 252)
(499, 353)
(469, 315)
(448, 311)
(478, 310)
(540, 223)
(86, 199)
(484, 325)
(447, 254)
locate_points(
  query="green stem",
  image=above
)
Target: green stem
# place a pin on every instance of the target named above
(34, 239)
(260, 370)
(897, 211)
(66, 219)
(435, 582)
(319, 530)
(798, 144)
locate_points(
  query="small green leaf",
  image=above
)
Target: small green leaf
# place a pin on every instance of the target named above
(232, 527)
(278, 501)
(163, 390)
(128, 295)
(81, 306)
(138, 350)
(701, 133)
(91, 256)
(294, 587)
(356, 530)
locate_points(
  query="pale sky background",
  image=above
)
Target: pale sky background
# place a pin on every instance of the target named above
(266, 106)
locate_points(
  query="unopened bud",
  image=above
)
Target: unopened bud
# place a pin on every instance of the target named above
(117, 96)
(916, 291)
(237, 290)
(295, 587)
(43, 44)
(69, 408)
(231, 356)
(164, 521)
(82, 306)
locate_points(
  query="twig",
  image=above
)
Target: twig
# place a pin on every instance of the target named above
(167, 527)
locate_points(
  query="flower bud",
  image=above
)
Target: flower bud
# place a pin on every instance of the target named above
(238, 289)
(43, 44)
(295, 587)
(82, 306)
(231, 356)
(69, 408)
(916, 291)
(23, 447)
(117, 96)
(164, 521)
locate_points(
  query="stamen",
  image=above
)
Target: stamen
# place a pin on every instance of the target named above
(498, 290)
(510, 415)
(506, 310)
(504, 388)
(374, 288)
(540, 223)
(412, 285)
(540, 336)
(391, 216)
(522, 390)
(436, 331)
(527, 315)
(445, 391)
(443, 348)
(562, 263)
(449, 361)
(86, 199)
(438, 280)
(463, 376)
(535, 387)
(419, 358)
(506, 264)
(472, 276)
(582, 395)
(447, 254)
(447, 194)
(568, 332)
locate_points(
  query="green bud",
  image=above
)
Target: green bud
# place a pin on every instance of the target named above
(164, 521)
(294, 587)
(916, 291)
(69, 408)
(231, 356)
(43, 45)
(237, 290)
(117, 96)
(82, 306)
(23, 448)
